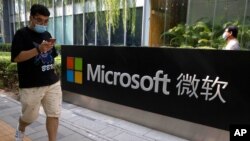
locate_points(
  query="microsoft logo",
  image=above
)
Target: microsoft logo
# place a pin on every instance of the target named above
(74, 70)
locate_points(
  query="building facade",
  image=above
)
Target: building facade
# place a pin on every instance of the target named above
(79, 22)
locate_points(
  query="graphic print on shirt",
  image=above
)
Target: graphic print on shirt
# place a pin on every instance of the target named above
(45, 60)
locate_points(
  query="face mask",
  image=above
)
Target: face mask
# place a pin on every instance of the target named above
(224, 36)
(40, 28)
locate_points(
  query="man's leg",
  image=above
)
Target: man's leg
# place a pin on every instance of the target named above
(19, 134)
(30, 110)
(52, 102)
(22, 125)
(52, 126)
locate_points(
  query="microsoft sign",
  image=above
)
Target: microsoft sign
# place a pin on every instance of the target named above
(167, 81)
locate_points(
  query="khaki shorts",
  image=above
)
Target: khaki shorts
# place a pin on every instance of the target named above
(31, 99)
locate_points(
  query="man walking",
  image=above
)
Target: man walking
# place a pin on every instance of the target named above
(34, 52)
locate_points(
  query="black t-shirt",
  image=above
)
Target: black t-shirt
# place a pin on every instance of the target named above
(39, 70)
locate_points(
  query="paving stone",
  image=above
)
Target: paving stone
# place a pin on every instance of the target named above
(65, 131)
(10, 120)
(4, 106)
(35, 124)
(128, 137)
(37, 135)
(39, 128)
(7, 132)
(111, 132)
(10, 111)
(89, 124)
(75, 137)
(160, 136)
(68, 106)
(138, 129)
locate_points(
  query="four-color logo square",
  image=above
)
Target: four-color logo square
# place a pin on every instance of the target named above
(74, 70)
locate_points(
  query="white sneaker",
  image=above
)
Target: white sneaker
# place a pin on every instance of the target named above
(19, 134)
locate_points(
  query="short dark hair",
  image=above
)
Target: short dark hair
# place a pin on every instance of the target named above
(234, 30)
(39, 9)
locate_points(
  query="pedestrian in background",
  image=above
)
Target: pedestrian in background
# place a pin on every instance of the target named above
(230, 35)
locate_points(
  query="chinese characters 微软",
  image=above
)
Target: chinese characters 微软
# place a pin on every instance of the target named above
(211, 89)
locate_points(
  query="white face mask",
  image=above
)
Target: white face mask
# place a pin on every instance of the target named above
(40, 28)
(224, 36)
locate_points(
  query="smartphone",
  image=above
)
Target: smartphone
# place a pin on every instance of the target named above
(52, 40)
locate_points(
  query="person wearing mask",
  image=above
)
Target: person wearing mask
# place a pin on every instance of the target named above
(34, 52)
(230, 35)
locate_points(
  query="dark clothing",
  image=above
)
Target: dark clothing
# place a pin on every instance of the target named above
(39, 70)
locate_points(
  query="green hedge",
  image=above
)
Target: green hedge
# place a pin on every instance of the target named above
(6, 47)
(8, 71)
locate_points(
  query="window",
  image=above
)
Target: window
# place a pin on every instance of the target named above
(102, 33)
(165, 14)
(68, 30)
(50, 26)
(59, 22)
(59, 30)
(90, 29)
(134, 39)
(117, 35)
(78, 29)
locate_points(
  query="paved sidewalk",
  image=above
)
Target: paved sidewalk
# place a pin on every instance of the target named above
(7, 132)
(79, 124)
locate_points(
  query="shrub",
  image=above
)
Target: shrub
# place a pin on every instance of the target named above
(4, 63)
(58, 66)
(58, 48)
(11, 79)
(8, 71)
(203, 34)
(4, 54)
(5, 47)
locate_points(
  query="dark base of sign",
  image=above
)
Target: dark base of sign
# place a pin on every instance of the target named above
(181, 128)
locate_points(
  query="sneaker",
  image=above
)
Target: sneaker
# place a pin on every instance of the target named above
(19, 134)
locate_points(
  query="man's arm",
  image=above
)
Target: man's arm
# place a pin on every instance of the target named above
(26, 55)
